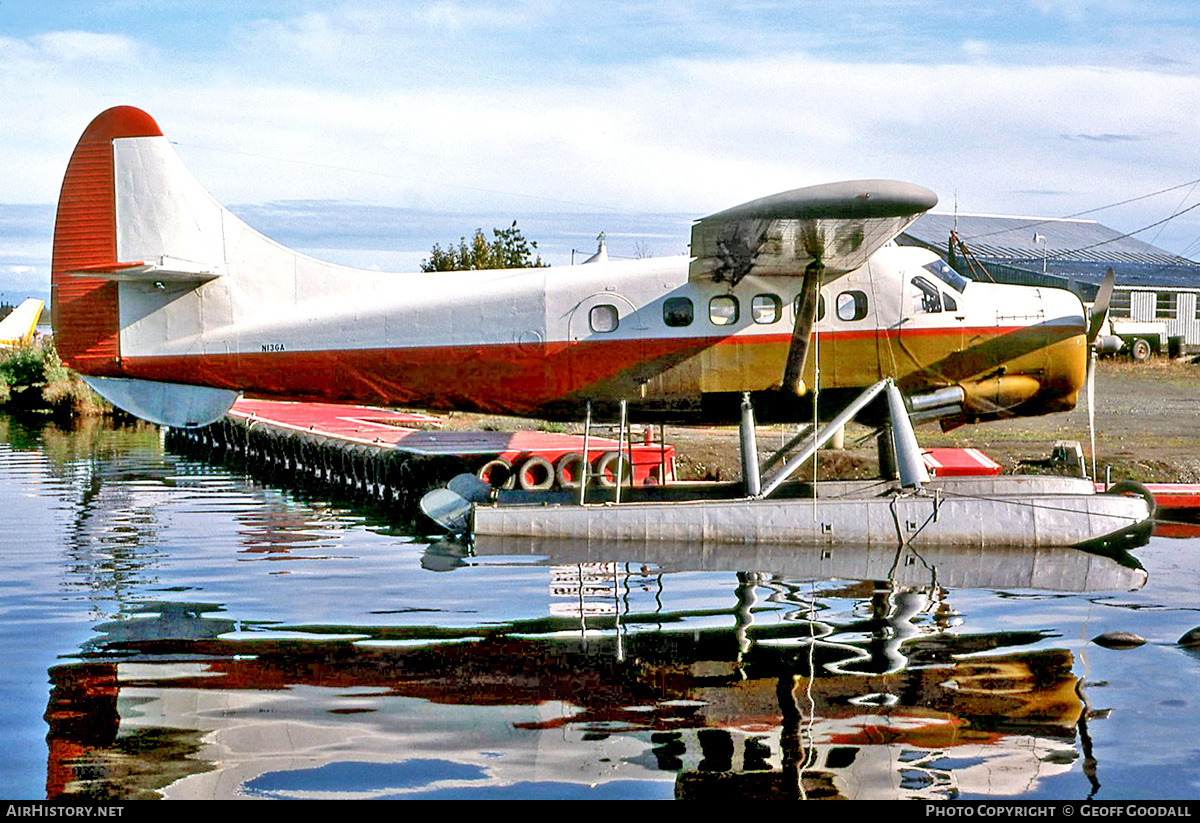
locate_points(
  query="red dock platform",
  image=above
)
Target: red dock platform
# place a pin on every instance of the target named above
(534, 460)
(943, 462)
(1173, 497)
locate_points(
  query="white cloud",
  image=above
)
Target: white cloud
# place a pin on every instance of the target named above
(436, 106)
(976, 49)
(88, 47)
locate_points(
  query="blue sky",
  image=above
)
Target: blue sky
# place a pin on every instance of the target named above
(428, 118)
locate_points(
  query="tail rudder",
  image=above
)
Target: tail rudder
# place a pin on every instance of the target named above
(130, 215)
(85, 310)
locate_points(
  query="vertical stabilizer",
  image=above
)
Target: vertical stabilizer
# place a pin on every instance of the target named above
(84, 309)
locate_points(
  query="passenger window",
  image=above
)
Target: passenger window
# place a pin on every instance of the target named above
(820, 307)
(928, 298)
(723, 310)
(603, 318)
(851, 305)
(765, 308)
(677, 311)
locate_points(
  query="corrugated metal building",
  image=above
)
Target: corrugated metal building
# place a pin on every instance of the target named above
(1151, 284)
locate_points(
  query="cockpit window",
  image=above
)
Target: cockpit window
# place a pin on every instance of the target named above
(927, 298)
(942, 271)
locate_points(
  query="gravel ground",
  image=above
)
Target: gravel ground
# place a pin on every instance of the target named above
(1147, 425)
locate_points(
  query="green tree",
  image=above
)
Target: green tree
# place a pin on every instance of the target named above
(508, 250)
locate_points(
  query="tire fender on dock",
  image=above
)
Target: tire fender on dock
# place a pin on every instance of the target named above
(606, 469)
(1135, 489)
(569, 470)
(536, 474)
(497, 473)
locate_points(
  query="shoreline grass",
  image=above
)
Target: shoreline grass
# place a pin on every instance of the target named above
(34, 381)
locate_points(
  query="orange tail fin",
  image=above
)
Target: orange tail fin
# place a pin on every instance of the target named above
(84, 309)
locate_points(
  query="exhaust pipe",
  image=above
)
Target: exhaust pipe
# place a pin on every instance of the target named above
(949, 396)
(936, 405)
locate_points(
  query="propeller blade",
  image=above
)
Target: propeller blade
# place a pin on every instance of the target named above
(1100, 306)
(806, 316)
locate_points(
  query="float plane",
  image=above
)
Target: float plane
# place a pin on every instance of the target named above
(171, 306)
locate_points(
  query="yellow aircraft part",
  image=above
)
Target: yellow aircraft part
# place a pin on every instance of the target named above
(17, 328)
(998, 369)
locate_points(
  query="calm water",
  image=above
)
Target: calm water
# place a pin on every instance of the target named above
(176, 629)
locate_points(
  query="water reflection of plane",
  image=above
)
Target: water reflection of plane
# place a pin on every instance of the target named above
(510, 714)
(860, 689)
(1057, 569)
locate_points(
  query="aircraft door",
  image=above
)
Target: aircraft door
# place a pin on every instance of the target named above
(931, 328)
(606, 347)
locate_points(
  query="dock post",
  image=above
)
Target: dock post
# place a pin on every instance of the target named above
(621, 448)
(587, 466)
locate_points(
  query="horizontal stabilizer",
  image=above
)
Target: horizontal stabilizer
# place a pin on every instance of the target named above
(836, 226)
(167, 404)
(166, 270)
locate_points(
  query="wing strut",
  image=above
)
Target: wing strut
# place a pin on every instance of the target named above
(806, 315)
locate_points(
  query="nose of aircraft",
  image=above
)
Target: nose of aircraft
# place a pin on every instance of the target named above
(1067, 349)
(1041, 362)
(1065, 307)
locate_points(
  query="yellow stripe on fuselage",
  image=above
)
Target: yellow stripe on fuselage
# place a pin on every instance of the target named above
(1055, 356)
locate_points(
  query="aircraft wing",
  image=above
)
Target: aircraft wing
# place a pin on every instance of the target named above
(836, 226)
(17, 328)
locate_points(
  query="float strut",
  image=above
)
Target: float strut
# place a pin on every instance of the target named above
(909, 464)
(749, 449)
(819, 439)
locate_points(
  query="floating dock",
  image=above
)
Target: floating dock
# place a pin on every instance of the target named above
(393, 458)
